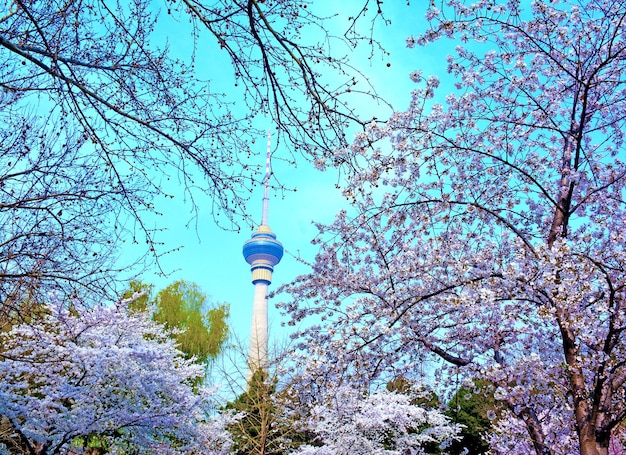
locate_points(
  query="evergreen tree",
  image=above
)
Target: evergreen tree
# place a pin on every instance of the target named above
(471, 407)
(254, 432)
(269, 422)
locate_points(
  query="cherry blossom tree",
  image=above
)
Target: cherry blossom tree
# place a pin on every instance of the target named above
(73, 376)
(485, 232)
(347, 421)
(110, 107)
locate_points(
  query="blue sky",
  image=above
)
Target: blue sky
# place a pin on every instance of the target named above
(211, 257)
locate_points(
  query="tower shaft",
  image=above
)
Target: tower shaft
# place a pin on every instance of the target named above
(257, 352)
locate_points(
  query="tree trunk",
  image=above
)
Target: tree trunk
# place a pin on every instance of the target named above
(590, 446)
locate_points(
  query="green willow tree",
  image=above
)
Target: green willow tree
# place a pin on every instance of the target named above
(199, 329)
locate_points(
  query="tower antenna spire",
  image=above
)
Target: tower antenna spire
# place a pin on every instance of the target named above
(266, 181)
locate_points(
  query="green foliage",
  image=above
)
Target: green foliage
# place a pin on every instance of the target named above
(181, 307)
(142, 302)
(199, 331)
(469, 407)
(426, 399)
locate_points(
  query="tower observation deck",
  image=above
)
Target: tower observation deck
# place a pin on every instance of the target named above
(262, 252)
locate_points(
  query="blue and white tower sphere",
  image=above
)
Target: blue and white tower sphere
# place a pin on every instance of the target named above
(262, 252)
